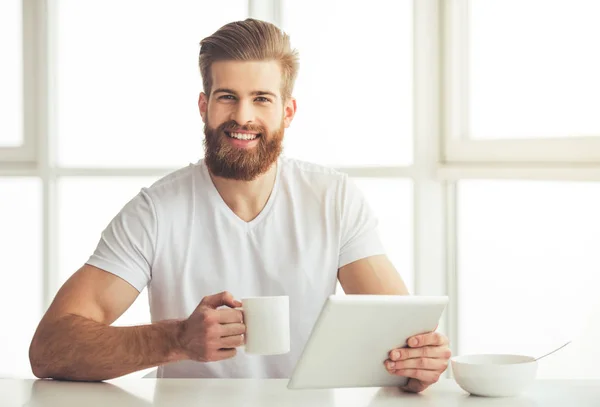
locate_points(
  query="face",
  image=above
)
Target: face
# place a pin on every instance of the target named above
(244, 118)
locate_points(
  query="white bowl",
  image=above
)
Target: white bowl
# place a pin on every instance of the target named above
(494, 375)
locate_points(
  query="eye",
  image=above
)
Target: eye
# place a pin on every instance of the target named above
(262, 99)
(227, 97)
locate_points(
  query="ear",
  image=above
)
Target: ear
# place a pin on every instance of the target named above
(203, 105)
(289, 111)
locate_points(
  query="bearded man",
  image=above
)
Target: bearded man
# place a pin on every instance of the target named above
(243, 221)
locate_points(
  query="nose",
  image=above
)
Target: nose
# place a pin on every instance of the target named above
(243, 112)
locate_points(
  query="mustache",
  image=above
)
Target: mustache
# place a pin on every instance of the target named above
(233, 125)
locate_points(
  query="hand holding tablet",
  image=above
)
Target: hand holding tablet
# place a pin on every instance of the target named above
(354, 334)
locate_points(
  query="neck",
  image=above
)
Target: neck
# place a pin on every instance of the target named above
(246, 198)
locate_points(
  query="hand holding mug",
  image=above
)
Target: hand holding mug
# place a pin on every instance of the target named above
(212, 334)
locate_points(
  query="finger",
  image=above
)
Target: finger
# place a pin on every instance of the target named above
(414, 386)
(435, 352)
(217, 300)
(438, 365)
(222, 354)
(230, 342)
(425, 376)
(232, 329)
(428, 339)
(229, 316)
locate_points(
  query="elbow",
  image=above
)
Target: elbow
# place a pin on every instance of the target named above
(38, 367)
(39, 371)
(41, 368)
(39, 361)
(44, 366)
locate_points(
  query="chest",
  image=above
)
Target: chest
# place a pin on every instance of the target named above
(285, 254)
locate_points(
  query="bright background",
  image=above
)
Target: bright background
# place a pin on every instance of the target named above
(109, 106)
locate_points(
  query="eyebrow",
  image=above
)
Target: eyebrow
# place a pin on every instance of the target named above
(253, 93)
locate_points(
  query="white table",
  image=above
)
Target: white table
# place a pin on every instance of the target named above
(273, 393)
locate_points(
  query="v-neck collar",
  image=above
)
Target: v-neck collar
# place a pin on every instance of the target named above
(224, 208)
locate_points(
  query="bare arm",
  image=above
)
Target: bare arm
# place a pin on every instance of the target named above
(371, 275)
(74, 340)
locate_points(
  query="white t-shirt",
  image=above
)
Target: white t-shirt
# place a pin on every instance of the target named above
(183, 242)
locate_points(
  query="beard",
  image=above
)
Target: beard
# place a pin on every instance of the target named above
(242, 164)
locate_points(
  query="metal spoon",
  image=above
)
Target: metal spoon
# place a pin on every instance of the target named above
(555, 350)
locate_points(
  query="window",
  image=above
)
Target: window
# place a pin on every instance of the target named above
(128, 97)
(517, 89)
(21, 263)
(533, 83)
(11, 74)
(354, 88)
(528, 271)
(391, 201)
(519, 104)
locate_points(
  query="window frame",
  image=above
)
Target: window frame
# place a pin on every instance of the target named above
(24, 155)
(457, 147)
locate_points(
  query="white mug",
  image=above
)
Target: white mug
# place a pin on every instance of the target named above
(267, 321)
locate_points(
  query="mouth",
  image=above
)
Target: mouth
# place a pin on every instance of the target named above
(242, 135)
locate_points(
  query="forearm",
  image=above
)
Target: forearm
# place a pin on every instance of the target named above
(77, 348)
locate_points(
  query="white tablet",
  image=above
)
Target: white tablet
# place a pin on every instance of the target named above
(354, 335)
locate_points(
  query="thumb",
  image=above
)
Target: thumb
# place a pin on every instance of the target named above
(217, 300)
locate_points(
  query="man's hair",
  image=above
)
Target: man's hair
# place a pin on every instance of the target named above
(249, 40)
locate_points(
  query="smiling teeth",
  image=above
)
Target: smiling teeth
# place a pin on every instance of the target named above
(243, 136)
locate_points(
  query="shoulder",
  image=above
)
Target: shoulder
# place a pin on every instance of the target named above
(176, 183)
(311, 174)
(176, 179)
(174, 190)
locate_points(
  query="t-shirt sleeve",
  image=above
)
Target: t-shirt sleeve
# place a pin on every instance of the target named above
(126, 247)
(359, 226)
